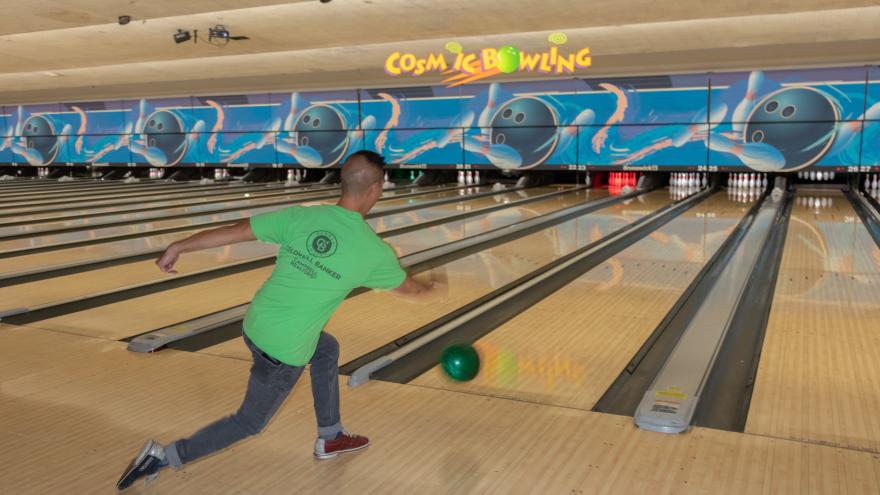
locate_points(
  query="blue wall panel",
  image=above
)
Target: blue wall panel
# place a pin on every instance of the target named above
(766, 120)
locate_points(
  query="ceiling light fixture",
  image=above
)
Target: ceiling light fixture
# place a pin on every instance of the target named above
(181, 36)
(218, 32)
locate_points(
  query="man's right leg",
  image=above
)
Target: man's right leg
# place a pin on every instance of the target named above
(269, 386)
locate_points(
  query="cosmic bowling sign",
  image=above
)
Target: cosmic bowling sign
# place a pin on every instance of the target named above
(487, 62)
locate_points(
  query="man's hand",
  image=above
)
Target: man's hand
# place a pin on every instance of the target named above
(229, 234)
(168, 259)
(423, 291)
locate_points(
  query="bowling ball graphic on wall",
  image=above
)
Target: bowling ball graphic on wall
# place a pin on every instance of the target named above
(39, 136)
(322, 128)
(812, 116)
(164, 131)
(529, 126)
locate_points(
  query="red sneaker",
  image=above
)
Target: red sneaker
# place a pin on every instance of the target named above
(344, 442)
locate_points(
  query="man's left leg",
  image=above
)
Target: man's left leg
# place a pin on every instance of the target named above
(332, 437)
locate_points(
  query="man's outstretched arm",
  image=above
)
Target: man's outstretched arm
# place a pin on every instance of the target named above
(228, 234)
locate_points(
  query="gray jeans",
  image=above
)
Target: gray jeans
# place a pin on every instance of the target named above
(270, 383)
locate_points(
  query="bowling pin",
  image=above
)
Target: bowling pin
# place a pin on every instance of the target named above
(291, 175)
(744, 108)
(764, 181)
(469, 178)
(386, 176)
(460, 177)
(831, 175)
(704, 182)
(876, 183)
(867, 182)
(477, 177)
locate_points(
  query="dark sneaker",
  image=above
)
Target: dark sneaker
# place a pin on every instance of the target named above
(344, 442)
(147, 464)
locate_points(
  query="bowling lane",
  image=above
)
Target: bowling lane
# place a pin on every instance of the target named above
(568, 349)
(105, 279)
(373, 319)
(233, 200)
(62, 256)
(60, 189)
(194, 221)
(140, 190)
(52, 212)
(135, 316)
(819, 377)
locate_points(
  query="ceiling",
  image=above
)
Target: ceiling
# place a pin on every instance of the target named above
(54, 50)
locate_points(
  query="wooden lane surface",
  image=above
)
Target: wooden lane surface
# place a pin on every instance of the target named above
(55, 197)
(167, 200)
(62, 256)
(45, 222)
(105, 279)
(146, 227)
(373, 319)
(819, 373)
(146, 313)
(76, 409)
(568, 349)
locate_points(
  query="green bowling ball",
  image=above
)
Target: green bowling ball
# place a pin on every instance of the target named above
(460, 362)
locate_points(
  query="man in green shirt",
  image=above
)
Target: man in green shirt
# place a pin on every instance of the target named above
(324, 252)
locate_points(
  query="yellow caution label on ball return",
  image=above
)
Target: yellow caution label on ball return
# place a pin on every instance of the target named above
(672, 393)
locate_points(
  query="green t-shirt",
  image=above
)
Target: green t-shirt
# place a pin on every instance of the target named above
(325, 252)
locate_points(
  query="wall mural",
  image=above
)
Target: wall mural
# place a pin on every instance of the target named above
(767, 121)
